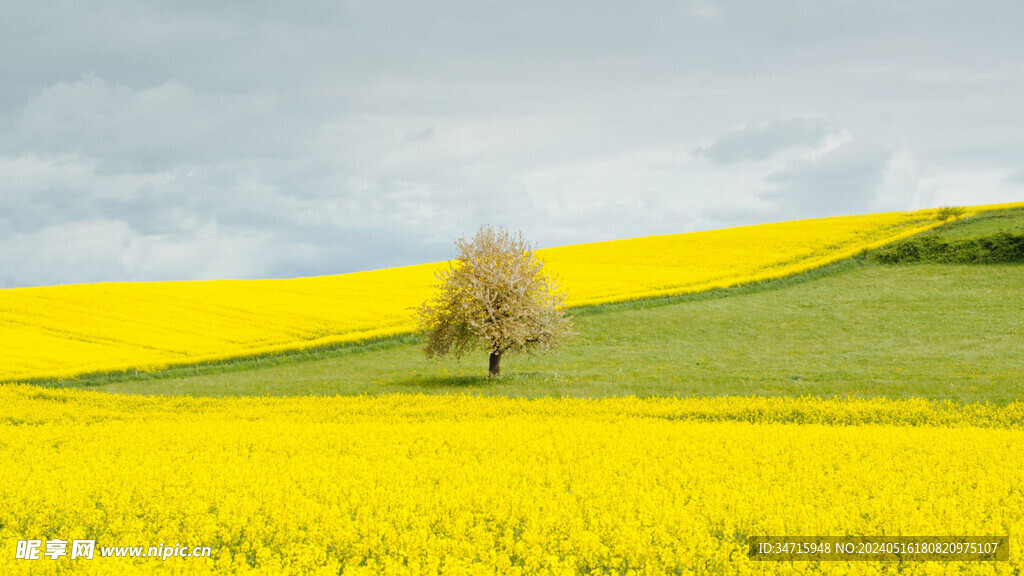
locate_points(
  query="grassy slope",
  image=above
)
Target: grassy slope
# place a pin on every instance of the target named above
(933, 331)
(859, 329)
(1011, 220)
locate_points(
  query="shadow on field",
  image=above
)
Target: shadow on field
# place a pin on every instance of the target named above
(430, 383)
(440, 382)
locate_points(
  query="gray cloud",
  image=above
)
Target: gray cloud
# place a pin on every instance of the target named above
(153, 140)
(842, 181)
(148, 129)
(761, 141)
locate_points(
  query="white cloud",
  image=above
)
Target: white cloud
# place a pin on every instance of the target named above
(900, 188)
(101, 250)
(965, 187)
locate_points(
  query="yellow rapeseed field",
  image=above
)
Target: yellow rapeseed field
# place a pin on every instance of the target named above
(64, 331)
(469, 485)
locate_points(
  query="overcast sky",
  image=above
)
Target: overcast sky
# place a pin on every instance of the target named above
(146, 140)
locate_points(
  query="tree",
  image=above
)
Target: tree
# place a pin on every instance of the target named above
(944, 213)
(495, 296)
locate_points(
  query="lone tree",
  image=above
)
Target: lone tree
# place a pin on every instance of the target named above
(944, 213)
(495, 296)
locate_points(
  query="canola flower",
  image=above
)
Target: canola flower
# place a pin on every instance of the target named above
(66, 331)
(415, 484)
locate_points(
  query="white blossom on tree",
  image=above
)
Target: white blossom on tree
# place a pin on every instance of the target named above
(494, 296)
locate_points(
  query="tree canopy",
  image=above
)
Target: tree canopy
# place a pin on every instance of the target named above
(496, 296)
(944, 213)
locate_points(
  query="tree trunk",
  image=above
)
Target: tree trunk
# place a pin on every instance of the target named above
(495, 361)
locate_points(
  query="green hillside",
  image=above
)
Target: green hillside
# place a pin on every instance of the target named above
(1010, 221)
(856, 328)
(992, 239)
